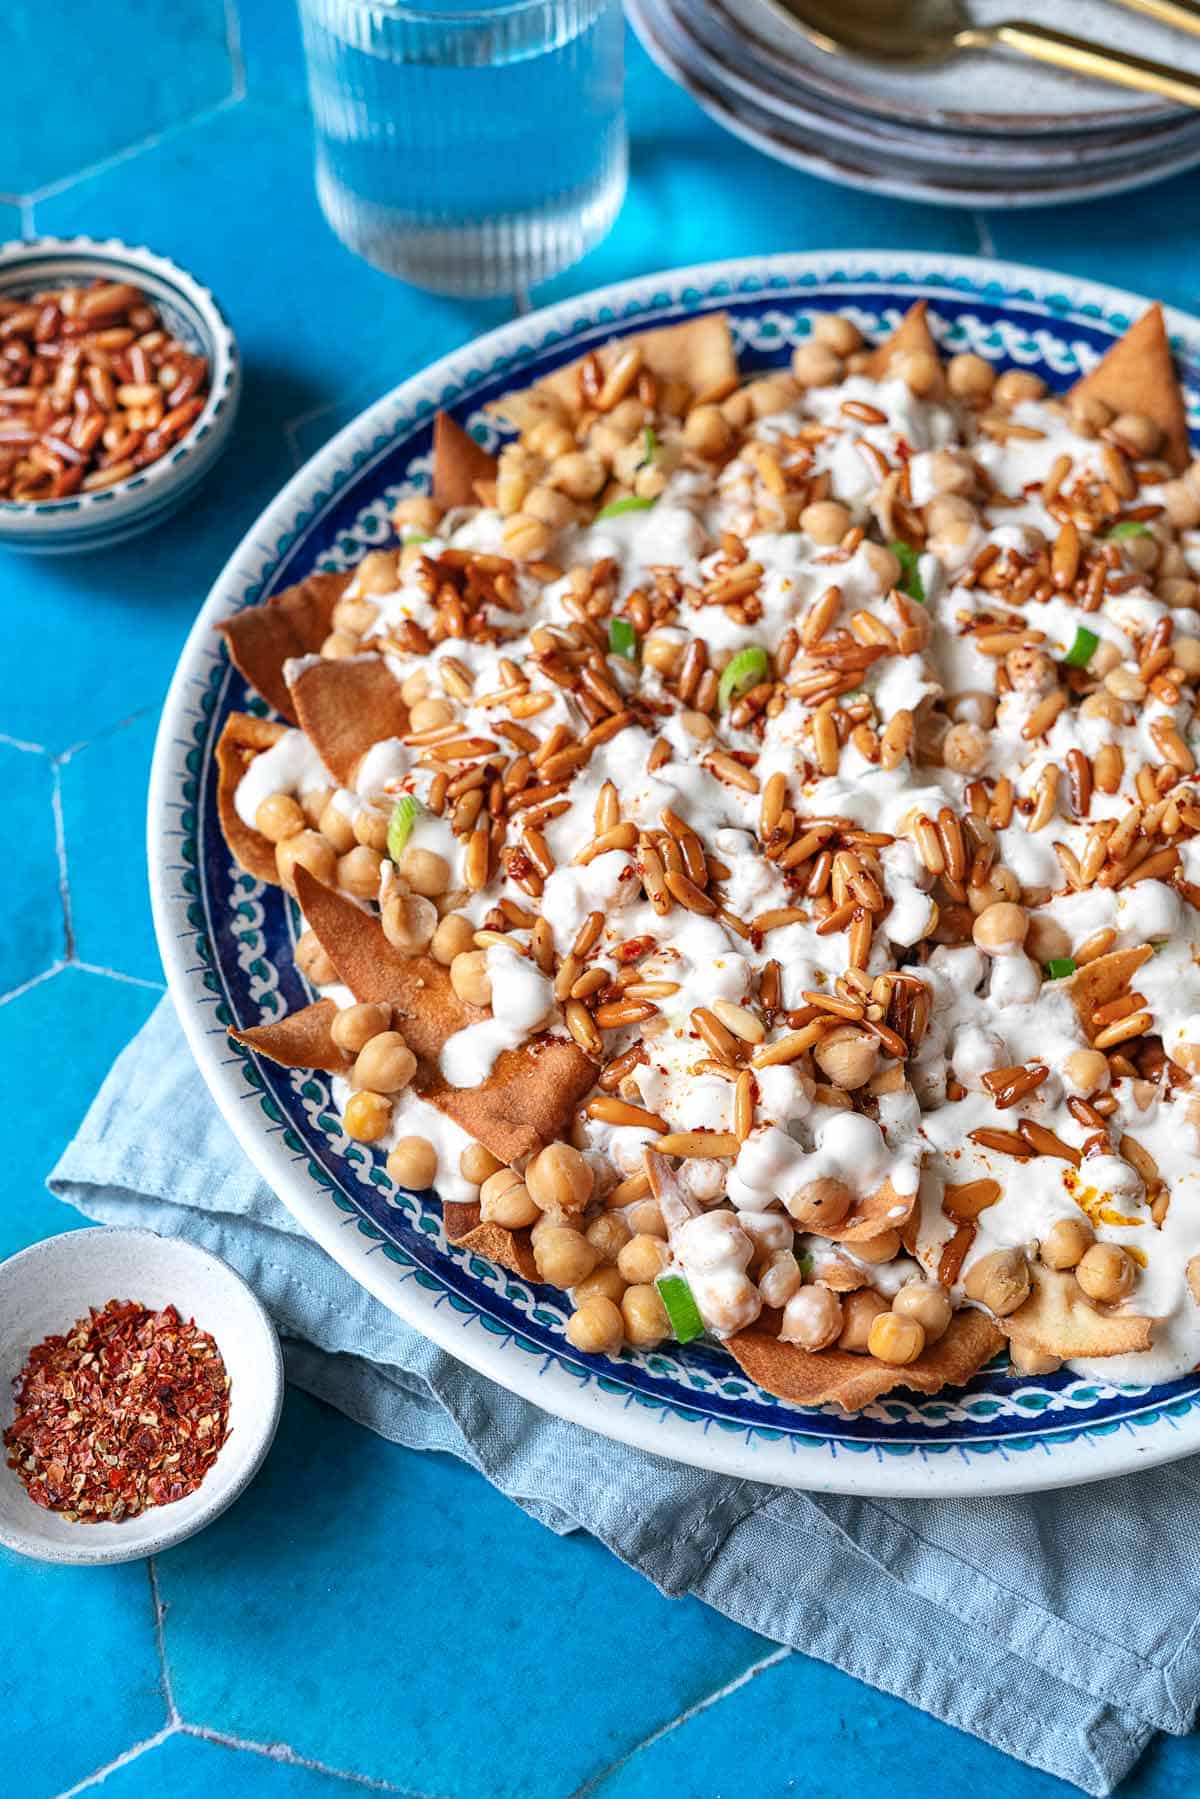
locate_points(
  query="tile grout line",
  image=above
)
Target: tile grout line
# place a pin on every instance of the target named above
(60, 850)
(153, 141)
(283, 1752)
(47, 974)
(983, 231)
(132, 1754)
(693, 1711)
(115, 974)
(160, 1645)
(233, 43)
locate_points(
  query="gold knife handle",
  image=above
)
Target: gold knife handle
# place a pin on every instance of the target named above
(1082, 57)
(1175, 13)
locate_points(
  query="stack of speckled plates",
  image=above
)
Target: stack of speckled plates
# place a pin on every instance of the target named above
(985, 129)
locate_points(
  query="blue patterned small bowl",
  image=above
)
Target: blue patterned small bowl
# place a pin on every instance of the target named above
(90, 521)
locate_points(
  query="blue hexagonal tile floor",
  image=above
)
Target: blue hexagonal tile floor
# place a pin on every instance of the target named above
(35, 933)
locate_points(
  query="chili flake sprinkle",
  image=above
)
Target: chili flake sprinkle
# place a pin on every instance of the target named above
(128, 1410)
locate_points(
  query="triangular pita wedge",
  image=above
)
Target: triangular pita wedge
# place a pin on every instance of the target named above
(458, 463)
(293, 623)
(242, 738)
(303, 1039)
(344, 706)
(698, 351)
(883, 1210)
(1138, 375)
(1097, 982)
(1058, 1319)
(912, 333)
(532, 1092)
(834, 1377)
(511, 1249)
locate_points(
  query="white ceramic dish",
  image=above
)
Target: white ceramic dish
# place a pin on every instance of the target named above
(93, 521)
(44, 1289)
(227, 941)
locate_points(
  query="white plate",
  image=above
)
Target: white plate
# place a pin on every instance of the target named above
(226, 941)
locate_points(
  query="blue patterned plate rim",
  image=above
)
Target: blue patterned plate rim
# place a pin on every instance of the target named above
(226, 941)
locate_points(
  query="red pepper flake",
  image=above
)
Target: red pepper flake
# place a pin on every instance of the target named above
(128, 1410)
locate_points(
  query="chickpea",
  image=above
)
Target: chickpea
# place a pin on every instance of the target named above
(559, 1179)
(1001, 929)
(664, 654)
(413, 1164)
(779, 1279)
(1136, 434)
(1089, 416)
(859, 1312)
(476, 1163)
(307, 849)
(548, 437)
(579, 474)
(698, 725)
(1104, 658)
(1015, 385)
(815, 364)
(950, 516)
(1103, 704)
(358, 872)
(951, 472)
(564, 1256)
(1000, 1281)
(608, 1235)
(1047, 940)
(1026, 1360)
(551, 506)
(524, 537)
(707, 432)
(1182, 502)
(879, 1249)
(929, 1304)
(505, 1199)
(313, 804)
(738, 409)
(972, 707)
(603, 1282)
(408, 921)
(354, 1026)
(1086, 1070)
(279, 816)
(642, 1259)
(825, 521)
(367, 1116)
(646, 1219)
(820, 1204)
(424, 871)
(338, 645)
(385, 1064)
(895, 1338)
(313, 961)
(1106, 1273)
(597, 1328)
(337, 827)
(1177, 592)
(1030, 671)
(1066, 1243)
(836, 332)
(1185, 653)
(920, 371)
(1193, 1278)
(848, 1055)
(771, 394)
(370, 828)
(354, 616)
(418, 513)
(884, 564)
(414, 687)
(431, 714)
(645, 1316)
(1186, 1056)
(970, 376)
(812, 1318)
(454, 936)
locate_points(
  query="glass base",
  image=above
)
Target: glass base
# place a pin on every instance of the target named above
(494, 256)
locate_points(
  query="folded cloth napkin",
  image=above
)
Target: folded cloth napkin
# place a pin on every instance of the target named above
(1061, 1628)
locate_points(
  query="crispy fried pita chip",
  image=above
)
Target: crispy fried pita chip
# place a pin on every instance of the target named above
(841, 1276)
(834, 1377)
(1138, 375)
(883, 1210)
(458, 463)
(1097, 982)
(346, 705)
(912, 333)
(698, 351)
(1058, 1319)
(293, 623)
(511, 1249)
(303, 1039)
(242, 738)
(531, 1093)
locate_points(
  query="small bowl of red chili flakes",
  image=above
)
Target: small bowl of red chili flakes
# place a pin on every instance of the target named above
(140, 1387)
(119, 383)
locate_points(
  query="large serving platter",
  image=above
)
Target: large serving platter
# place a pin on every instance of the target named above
(227, 941)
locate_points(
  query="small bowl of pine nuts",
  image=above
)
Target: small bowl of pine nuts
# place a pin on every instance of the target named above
(119, 383)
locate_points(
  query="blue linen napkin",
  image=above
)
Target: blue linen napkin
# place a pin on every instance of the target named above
(1061, 1628)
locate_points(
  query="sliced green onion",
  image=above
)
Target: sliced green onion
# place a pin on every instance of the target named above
(1157, 947)
(622, 638)
(1128, 527)
(745, 671)
(631, 503)
(804, 1262)
(1059, 967)
(405, 813)
(650, 439)
(910, 574)
(1083, 649)
(682, 1309)
(415, 537)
